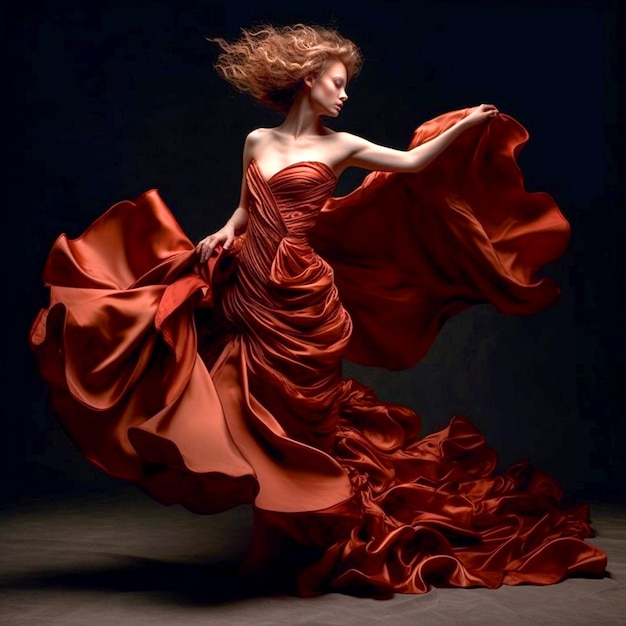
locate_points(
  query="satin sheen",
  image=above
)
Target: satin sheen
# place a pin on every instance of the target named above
(217, 386)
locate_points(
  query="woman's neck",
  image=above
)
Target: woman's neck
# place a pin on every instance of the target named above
(301, 120)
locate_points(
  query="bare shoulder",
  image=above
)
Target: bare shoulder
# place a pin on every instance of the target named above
(257, 139)
(253, 141)
(256, 136)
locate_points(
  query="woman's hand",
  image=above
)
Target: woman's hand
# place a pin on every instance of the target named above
(479, 114)
(224, 236)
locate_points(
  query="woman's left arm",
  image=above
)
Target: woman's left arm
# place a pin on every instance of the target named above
(368, 155)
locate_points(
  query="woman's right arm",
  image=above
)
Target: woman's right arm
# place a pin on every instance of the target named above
(238, 221)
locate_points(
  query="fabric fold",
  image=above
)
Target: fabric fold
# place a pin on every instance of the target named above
(218, 385)
(410, 251)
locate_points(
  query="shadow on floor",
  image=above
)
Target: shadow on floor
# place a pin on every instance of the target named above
(170, 582)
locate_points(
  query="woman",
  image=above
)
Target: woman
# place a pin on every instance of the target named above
(210, 375)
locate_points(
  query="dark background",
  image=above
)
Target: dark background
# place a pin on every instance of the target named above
(106, 100)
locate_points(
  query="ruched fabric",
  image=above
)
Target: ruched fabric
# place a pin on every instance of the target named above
(221, 385)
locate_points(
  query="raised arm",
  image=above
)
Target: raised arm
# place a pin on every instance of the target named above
(371, 156)
(238, 221)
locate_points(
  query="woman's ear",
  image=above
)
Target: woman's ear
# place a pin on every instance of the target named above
(309, 79)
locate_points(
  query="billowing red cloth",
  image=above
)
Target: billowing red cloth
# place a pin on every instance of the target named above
(222, 385)
(409, 251)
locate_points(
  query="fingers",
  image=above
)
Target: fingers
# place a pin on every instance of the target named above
(229, 242)
(205, 248)
(484, 111)
(488, 110)
(206, 253)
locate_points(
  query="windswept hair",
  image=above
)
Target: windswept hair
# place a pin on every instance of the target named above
(270, 62)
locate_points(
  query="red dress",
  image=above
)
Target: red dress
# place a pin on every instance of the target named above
(222, 385)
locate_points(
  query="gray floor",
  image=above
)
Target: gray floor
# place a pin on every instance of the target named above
(121, 558)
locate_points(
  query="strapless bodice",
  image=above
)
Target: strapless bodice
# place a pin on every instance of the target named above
(299, 191)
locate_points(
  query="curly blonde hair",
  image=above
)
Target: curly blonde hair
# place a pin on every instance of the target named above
(270, 62)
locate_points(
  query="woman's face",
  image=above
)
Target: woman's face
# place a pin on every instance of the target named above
(328, 89)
